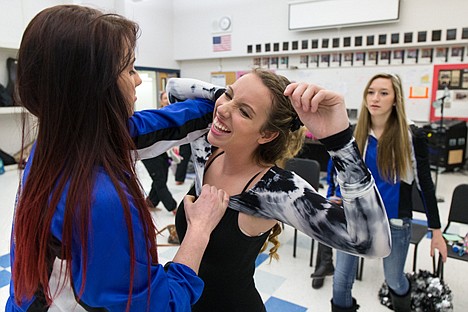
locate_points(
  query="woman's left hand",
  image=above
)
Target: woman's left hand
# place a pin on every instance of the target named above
(438, 242)
(322, 111)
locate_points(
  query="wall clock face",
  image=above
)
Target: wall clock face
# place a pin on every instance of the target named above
(224, 23)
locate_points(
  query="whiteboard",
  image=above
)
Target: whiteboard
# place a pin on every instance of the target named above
(340, 13)
(350, 82)
(321, 14)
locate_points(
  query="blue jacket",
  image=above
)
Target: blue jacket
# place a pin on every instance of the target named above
(107, 282)
(398, 197)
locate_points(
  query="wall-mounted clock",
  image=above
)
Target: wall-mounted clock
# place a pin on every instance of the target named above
(224, 23)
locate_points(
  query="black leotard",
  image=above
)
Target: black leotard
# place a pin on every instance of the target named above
(228, 265)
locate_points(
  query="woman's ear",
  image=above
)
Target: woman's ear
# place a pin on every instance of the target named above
(268, 136)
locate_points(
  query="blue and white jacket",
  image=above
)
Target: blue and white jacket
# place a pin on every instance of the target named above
(107, 282)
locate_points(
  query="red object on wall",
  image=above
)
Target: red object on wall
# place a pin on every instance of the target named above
(436, 85)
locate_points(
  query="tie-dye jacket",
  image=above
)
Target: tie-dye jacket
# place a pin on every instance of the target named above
(360, 228)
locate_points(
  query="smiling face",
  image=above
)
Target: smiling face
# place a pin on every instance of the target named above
(128, 80)
(380, 98)
(240, 114)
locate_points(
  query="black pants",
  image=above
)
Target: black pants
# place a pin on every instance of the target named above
(185, 151)
(158, 168)
(324, 256)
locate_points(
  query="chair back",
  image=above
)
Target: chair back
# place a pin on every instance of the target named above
(459, 205)
(308, 169)
(459, 214)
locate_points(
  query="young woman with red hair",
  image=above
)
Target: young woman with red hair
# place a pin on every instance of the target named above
(83, 238)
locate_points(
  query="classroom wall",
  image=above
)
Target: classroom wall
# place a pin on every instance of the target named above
(266, 21)
(350, 82)
(155, 45)
(155, 18)
(178, 34)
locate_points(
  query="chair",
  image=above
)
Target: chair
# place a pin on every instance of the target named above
(458, 214)
(309, 170)
(418, 232)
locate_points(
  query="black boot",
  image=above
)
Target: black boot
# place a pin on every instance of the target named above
(324, 266)
(317, 282)
(401, 303)
(353, 308)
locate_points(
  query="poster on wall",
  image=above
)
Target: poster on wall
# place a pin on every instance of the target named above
(372, 58)
(397, 57)
(223, 78)
(347, 59)
(450, 92)
(411, 56)
(324, 60)
(257, 62)
(284, 62)
(456, 54)
(335, 60)
(359, 58)
(274, 62)
(426, 56)
(440, 55)
(218, 79)
(303, 61)
(241, 73)
(385, 57)
(314, 60)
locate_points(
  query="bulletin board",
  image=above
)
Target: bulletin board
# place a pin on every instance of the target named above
(455, 78)
(223, 78)
(350, 82)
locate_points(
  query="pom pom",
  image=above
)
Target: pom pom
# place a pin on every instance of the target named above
(428, 293)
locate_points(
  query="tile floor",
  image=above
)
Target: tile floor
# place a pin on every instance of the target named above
(285, 285)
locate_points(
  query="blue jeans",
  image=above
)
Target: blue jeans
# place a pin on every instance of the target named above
(394, 265)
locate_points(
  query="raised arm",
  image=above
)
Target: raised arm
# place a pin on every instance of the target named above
(323, 112)
(157, 130)
(362, 226)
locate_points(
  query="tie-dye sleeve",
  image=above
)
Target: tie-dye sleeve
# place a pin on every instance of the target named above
(360, 228)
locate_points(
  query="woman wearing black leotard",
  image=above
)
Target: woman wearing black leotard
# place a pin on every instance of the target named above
(239, 293)
(254, 128)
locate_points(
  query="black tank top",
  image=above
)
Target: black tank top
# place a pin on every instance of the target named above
(228, 264)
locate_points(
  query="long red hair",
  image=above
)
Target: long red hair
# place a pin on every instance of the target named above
(68, 64)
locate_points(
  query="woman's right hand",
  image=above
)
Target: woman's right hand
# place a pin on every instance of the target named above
(203, 215)
(206, 212)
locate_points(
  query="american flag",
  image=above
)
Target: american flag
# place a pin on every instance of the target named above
(222, 43)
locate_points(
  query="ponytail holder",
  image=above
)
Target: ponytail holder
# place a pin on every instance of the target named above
(295, 124)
